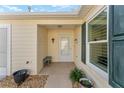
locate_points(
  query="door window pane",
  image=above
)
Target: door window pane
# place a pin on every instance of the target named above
(65, 46)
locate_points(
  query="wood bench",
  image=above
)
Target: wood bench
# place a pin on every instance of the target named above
(47, 60)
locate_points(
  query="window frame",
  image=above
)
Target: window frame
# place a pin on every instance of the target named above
(97, 69)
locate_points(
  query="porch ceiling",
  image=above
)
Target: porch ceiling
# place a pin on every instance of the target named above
(84, 9)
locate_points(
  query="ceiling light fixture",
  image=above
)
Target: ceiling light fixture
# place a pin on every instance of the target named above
(59, 26)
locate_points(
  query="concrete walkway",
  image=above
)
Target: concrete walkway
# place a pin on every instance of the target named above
(58, 75)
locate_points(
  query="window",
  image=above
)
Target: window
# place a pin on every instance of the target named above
(97, 40)
(65, 46)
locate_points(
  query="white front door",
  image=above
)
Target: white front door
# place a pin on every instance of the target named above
(65, 48)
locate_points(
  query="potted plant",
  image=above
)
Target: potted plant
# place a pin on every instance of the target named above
(85, 82)
(75, 76)
(20, 76)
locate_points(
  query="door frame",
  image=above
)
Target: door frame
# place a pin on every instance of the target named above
(9, 42)
(72, 48)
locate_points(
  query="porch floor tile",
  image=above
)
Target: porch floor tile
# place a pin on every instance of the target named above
(58, 74)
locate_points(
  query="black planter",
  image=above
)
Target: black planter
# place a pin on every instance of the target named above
(20, 76)
(86, 82)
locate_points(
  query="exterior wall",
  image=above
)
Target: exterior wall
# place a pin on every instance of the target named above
(100, 81)
(91, 73)
(77, 45)
(24, 42)
(42, 46)
(53, 49)
(24, 37)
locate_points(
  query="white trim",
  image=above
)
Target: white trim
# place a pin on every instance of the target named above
(98, 70)
(87, 45)
(100, 41)
(9, 50)
(96, 14)
(108, 37)
(39, 13)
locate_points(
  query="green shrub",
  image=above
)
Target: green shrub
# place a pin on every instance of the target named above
(76, 74)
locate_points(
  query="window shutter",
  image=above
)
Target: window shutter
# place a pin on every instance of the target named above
(116, 50)
(83, 50)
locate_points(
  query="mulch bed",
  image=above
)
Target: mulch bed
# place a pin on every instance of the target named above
(76, 85)
(33, 81)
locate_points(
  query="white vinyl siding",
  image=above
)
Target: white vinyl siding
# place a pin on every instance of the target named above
(24, 47)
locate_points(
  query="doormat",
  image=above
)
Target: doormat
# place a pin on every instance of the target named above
(33, 81)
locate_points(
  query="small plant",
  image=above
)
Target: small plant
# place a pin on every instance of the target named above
(76, 74)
